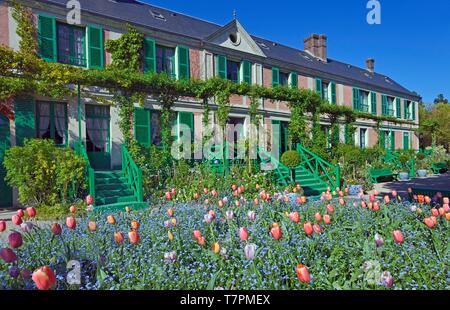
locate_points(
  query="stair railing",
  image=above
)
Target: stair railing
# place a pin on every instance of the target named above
(80, 150)
(322, 169)
(132, 173)
(283, 172)
(393, 157)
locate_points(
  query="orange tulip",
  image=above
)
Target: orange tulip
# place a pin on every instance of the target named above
(434, 212)
(170, 212)
(256, 201)
(294, 217)
(326, 219)
(276, 232)
(44, 278)
(317, 229)
(420, 198)
(307, 227)
(72, 209)
(118, 237)
(434, 219)
(398, 237)
(447, 216)
(429, 222)
(318, 217)
(92, 226)
(174, 222)
(303, 273)
(302, 199)
(216, 247)
(386, 199)
(134, 237)
(135, 225)
(330, 209)
(427, 199)
(220, 203)
(441, 211)
(111, 219)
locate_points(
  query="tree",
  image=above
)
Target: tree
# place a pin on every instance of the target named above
(434, 126)
(440, 98)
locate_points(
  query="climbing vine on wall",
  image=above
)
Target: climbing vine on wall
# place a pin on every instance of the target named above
(126, 51)
(25, 28)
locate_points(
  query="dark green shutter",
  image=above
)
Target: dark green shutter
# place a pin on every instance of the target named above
(384, 105)
(392, 134)
(373, 102)
(25, 119)
(222, 66)
(406, 141)
(276, 123)
(149, 56)
(275, 77)
(413, 108)
(381, 139)
(246, 68)
(187, 118)
(398, 107)
(95, 47)
(356, 103)
(294, 80)
(47, 38)
(405, 109)
(333, 92)
(319, 87)
(5, 190)
(183, 62)
(142, 126)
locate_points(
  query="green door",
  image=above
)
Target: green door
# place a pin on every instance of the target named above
(406, 141)
(98, 144)
(5, 190)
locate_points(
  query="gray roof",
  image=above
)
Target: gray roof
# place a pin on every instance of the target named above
(139, 13)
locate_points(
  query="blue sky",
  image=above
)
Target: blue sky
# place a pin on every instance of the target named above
(412, 44)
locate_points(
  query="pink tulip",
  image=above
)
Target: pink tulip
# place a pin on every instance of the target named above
(363, 204)
(398, 237)
(31, 212)
(394, 194)
(303, 273)
(71, 222)
(294, 217)
(307, 227)
(197, 234)
(372, 198)
(89, 200)
(317, 229)
(249, 251)
(341, 201)
(386, 279)
(44, 278)
(251, 215)
(168, 196)
(20, 213)
(2, 226)
(243, 234)
(318, 217)
(8, 255)
(330, 209)
(56, 229)
(17, 220)
(326, 219)
(378, 240)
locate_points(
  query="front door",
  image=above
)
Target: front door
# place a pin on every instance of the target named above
(98, 144)
(5, 190)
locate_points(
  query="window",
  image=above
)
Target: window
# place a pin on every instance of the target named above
(233, 71)
(71, 42)
(408, 109)
(284, 79)
(388, 106)
(360, 100)
(156, 137)
(97, 128)
(165, 60)
(325, 91)
(363, 138)
(51, 121)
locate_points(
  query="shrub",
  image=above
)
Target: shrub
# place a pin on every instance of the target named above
(290, 159)
(42, 172)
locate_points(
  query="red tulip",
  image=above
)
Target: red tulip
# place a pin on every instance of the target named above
(326, 219)
(318, 217)
(243, 234)
(364, 204)
(214, 193)
(394, 194)
(294, 217)
(71, 222)
(197, 234)
(398, 236)
(196, 196)
(317, 229)
(372, 198)
(307, 227)
(2, 226)
(434, 212)
(205, 191)
(376, 206)
(17, 220)
(303, 273)
(429, 222)
(168, 196)
(15, 240)
(8, 255)
(20, 213)
(276, 232)
(89, 200)
(134, 237)
(31, 212)
(135, 225)
(72, 209)
(213, 214)
(201, 241)
(118, 237)
(92, 226)
(170, 212)
(44, 278)
(330, 209)
(173, 191)
(56, 229)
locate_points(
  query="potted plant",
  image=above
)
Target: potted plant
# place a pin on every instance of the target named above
(403, 175)
(421, 165)
(291, 159)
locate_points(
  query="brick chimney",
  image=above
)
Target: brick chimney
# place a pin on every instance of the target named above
(370, 65)
(316, 45)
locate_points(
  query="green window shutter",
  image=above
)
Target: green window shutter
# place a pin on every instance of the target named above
(405, 109)
(392, 138)
(413, 110)
(187, 118)
(319, 87)
(381, 139)
(25, 119)
(398, 107)
(406, 141)
(222, 66)
(333, 92)
(95, 47)
(47, 38)
(294, 80)
(274, 137)
(356, 105)
(275, 77)
(246, 68)
(149, 56)
(373, 102)
(142, 128)
(384, 107)
(183, 62)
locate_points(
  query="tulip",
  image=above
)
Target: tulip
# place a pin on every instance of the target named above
(20, 213)
(26, 227)
(196, 196)
(243, 233)
(8, 255)
(197, 234)
(330, 209)
(276, 232)
(447, 216)
(170, 235)
(119, 237)
(398, 236)
(364, 204)
(446, 208)
(229, 215)
(294, 217)
(208, 218)
(375, 192)
(372, 198)
(71, 222)
(249, 251)
(378, 240)
(31, 212)
(170, 257)
(135, 225)
(214, 193)
(16, 219)
(434, 212)
(441, 211)
(56, 229)
(237, 203)
(427, 199)
(327, 219)
(2, 226)
(256, 201)
(233, 187)
(307, 227)
(206, 202)
(201, 241)
(92, 226)
(434, 219)
(341, 201)
(242, 188)
(134, 237)
(15, 240)
(220, 203)
(25, 273)
(394, 193)
(168, 196)
(445, 200)
(318, 217)
(251, 215)
(386, 199)
(72, 209)
(225, 199)
(44, 278)
(303, 273)
(205, 191)
(215, 247)
(14, 272)
(170, 212)
(386, 279)
(89, 200)
(317, 229)
(376, 206)
(111, 219)
(174, 222)
(429, 222)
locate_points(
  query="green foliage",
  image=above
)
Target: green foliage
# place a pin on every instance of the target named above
(42, 172)
(126, 52)
(25, 28)
(291, 159)
(59, 211)
(435, 125)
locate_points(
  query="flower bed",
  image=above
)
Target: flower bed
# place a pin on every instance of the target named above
(272, 243)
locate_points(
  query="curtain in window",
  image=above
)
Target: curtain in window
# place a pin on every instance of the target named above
(60, 124)
(97, 127)
(79, 47)
(155, 128)
(170, 65)
(44, 120)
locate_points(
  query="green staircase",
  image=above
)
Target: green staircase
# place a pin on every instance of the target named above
(282, 174)
(312, 185)
(111, 187)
